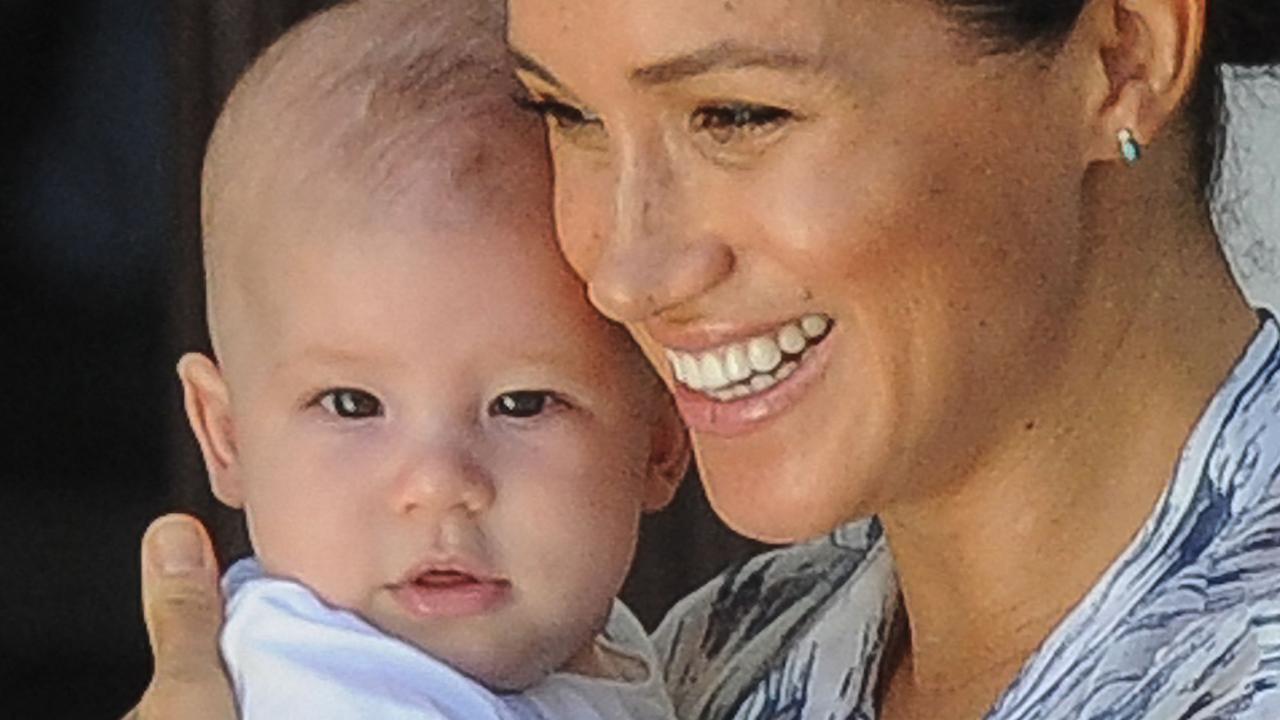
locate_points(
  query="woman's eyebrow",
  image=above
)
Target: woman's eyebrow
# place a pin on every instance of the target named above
(531, 66)
(720, 57)
(714, 58)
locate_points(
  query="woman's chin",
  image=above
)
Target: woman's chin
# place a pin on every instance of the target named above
(774, 504)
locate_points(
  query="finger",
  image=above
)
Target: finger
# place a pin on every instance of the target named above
(183, 611)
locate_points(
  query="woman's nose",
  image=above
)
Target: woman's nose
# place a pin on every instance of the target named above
(660, 254)
(443, 480)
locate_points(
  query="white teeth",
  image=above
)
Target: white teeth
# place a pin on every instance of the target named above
(689, 370)
(814, 325)
(791, 340)
(712, 374)
(764, 354)
(676, 369)
(785, 371)
(736, 370)
(723, 395)
(736, 365)
(733, 392)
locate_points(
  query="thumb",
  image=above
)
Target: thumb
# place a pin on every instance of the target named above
(183, 612)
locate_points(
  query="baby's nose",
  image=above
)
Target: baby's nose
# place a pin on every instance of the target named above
(441, 480)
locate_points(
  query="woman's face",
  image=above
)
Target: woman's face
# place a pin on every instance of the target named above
(847, 238)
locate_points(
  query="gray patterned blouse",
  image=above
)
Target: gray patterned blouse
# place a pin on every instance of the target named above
(1184, 624)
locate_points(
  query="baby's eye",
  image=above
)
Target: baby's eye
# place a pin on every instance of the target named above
(523, 403)
(350, 404)
(728, 122)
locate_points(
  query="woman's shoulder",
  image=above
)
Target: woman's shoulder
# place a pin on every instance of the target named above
(718, 642)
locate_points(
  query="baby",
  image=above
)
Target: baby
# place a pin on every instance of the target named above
(441, 451)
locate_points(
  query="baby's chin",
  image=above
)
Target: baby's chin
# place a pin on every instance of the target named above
(498, 655)
(511, 670)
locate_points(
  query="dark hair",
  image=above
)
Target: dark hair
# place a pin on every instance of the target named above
(1243, 33)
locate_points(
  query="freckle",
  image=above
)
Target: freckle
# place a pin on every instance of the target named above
(1031, 425)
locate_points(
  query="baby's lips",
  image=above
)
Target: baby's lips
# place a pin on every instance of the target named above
(450, 587)
(450, 570)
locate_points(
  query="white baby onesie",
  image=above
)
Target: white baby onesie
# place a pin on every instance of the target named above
(292, 656)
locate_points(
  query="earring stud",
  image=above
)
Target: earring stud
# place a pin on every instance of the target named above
(1130, 148)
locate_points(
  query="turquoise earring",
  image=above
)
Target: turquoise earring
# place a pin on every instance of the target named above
(1129, 147)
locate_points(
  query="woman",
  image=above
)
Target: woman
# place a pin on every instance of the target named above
(939, 274)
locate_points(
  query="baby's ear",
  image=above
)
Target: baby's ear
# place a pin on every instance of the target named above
(669, 455)
(208, 404)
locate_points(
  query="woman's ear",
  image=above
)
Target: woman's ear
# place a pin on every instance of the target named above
(1148, 54)
(208, 405)
(669, 455)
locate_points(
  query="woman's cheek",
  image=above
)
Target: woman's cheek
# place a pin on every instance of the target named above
(583, 201)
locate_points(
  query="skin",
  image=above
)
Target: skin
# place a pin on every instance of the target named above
(1009, 298)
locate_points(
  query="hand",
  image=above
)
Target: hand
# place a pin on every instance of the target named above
(183, 611)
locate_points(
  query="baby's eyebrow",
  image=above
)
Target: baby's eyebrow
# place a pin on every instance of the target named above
(327, 355)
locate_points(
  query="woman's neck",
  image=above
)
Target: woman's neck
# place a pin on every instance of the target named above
(992, 562)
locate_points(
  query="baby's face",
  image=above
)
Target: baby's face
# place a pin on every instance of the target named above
(432, 427)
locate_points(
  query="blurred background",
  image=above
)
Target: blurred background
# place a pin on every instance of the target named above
(104, 108)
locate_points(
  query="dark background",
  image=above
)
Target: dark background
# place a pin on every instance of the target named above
(104, 109)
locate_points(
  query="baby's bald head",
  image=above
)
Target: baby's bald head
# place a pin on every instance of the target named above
(371, 97)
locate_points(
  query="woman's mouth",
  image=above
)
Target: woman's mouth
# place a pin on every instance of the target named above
(741, 369)
(735, 386)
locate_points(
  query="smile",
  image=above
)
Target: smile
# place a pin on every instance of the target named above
(740, 370)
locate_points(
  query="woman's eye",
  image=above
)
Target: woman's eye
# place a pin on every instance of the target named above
(522, 404)
(562, 116)
(351, 404)
(733, 121)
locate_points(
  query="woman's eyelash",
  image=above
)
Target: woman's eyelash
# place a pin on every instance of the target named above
(564, 115)
(349, 403)
(728, 118)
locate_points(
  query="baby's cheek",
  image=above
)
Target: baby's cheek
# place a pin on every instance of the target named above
(560, 528)
(337, 564)
(567, 505)
(316, 528)
(585, 488)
